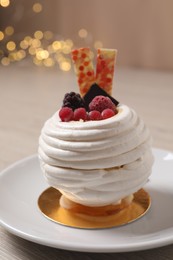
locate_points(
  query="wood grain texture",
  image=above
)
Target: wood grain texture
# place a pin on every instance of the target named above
(28, 96)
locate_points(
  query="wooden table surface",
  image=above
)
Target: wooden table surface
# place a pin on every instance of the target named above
(29, 95)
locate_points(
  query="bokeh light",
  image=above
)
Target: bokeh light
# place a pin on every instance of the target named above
(9, 30)
(83, 33)
(11, 46)
(42, 54)
(65, 65)
(98, 44)
(37, 8)
(48, 35)
(5, 61)
(38, 35)
(49, 62)
(32, 50)
(44, 48)
(4, 3)
(37, 62)
(1, 36)
(35, 43)
(24, 44)
(56, 45)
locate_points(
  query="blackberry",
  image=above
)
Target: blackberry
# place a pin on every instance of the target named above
(73, 100)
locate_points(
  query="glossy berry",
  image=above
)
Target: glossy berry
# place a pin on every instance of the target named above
(107, 113)
(66, 114)
(80, 113)
(73, 100)
(100, 103)
(95, 115)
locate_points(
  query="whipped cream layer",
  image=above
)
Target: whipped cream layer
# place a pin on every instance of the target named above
(96, 163)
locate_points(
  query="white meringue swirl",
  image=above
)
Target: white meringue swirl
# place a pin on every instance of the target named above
(96, 163)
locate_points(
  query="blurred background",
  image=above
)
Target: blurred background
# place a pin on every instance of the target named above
(43, 33)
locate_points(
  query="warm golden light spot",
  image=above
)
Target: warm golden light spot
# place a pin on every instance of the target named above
(4, 3)
(35, 43)
(1, 36)
(5, 61)
(28, 39)
(11, 57)
(98, 44)
(48, 35)
(65, 66)
(55, 51)
(37, 62)
(9, 30)
(17, 55)
(37, 8)
(49, 62)
(32, 50)
(56, 45)
(83, 33)
(66, 49)
(50, 49)
(42, 54)
(20, 55)
(69, 43)
(11, 46)
(38, 35)
(45, 54)
(24, 44)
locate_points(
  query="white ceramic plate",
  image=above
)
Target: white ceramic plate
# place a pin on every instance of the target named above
(22, 183)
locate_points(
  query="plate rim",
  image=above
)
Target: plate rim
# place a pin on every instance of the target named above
(144, 245)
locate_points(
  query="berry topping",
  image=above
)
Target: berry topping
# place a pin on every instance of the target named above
(100, 103)
(94, 115)
(106, 113)
(94, 91)
(73, 100)
(66, 114)
(80, 113)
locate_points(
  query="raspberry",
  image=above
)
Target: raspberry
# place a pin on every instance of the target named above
(80, 113)
(100, 103)
(106, 113)
(66, 114)
(95, 115)
(73, 100)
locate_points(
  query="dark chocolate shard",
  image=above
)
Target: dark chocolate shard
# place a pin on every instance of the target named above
(94, 91)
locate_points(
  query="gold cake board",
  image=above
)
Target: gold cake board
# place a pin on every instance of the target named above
(48, 203)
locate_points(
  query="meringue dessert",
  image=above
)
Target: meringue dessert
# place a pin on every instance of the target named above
(97, 155)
